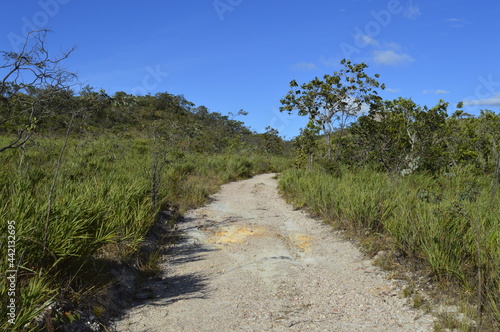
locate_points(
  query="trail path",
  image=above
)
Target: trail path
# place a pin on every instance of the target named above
(249, 262)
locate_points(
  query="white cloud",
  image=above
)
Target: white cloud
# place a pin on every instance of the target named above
(456, 22)
(391, 58)
(304, 66)
(366, 40)
(364, 110)
(392, 90)
(435, 92)
(329, 62)
(390, 54)
(392, 46)
(492, 101)
(412, 11)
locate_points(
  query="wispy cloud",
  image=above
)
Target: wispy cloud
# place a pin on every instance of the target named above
(329, 62)
(391, 57)
(412, 11)
(304, 66)
(456, 22)
(364, 110)
(366, 40)
(435, 92)
(492, 101)
(393, 90)
(386, 53)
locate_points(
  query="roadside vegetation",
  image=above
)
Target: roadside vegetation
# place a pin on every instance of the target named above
(101, 210)
(85, 176)
(406, 179)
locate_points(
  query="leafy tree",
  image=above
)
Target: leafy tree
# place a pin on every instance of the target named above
(306, 145)
(336, 98)
(273, 143)
(488, 130)
(403, 136)
(123, 99)
(428, 140)
(95, 107)
(201, 110)
(381, 135)
(164, 101)
(240, 112)
(462, 139)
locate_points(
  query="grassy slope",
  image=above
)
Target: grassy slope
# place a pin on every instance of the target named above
(102, 200)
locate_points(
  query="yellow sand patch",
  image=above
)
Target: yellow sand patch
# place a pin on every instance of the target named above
(301, 241)
(236, 234)
(381, 291)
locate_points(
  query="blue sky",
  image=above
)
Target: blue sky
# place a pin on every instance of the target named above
(241, 54)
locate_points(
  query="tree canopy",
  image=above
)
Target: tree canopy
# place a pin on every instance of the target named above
(335, 98)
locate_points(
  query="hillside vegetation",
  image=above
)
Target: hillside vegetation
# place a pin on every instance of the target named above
(86, 177)
(92, 175)
(407, 178)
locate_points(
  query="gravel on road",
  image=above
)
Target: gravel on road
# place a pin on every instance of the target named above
(249, 262)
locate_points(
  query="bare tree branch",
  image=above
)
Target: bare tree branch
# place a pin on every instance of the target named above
(29, 82)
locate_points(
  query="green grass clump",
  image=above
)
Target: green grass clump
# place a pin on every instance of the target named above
(450, 221)
(101, 211)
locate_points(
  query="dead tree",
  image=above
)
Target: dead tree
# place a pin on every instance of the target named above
(29, 81)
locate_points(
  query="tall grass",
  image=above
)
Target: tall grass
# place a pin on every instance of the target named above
(448, 220)
(101, 209)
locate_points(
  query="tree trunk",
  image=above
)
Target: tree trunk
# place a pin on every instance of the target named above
(328, 145)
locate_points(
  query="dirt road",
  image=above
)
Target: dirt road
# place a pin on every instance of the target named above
(249, 262)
